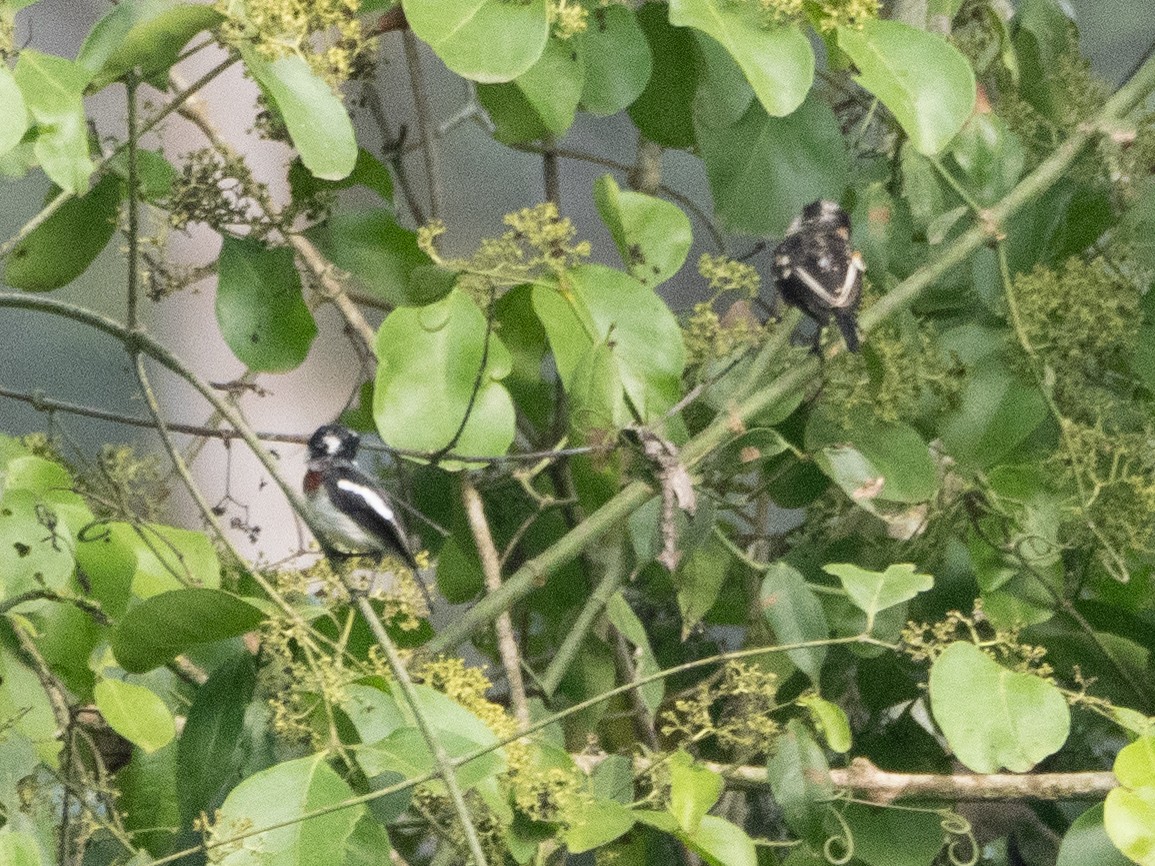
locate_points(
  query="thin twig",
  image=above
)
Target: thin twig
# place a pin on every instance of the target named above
(424, 122)
(503, 624)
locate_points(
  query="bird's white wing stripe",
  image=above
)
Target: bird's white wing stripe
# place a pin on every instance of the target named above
(372, 497)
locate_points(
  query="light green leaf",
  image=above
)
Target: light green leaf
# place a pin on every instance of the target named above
(613, 779)
(136, 713)
(316, 119)
(763, 170)
(142, 35)
(617, 60)
(53, 89)
(597, 401)
(653, 236)
(794, 612)
(721, 843)
(1129, 818)
(260, 309)
(169, 558)
(830, 721)
(377, 250)
(595, 823)
(890, 462)
(19, 849)
(1135, 764)
(35, 547)
(777, 61)
(13, 114)
(429, 363)
(1024, 718)
(542, 100)
(25, 706)
(602, 304)
(1086, 841)
(281, 796)
(693, 791)
(485, 40)
(61, 248)
(872, 591)
(166, 625)
(927, 84)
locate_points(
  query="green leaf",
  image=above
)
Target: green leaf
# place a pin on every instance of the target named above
(166, 625)
(207, 751)
(484, 40)
(368, 172)
(148, 799)
(830, 721)
(136, 713)
(1024, 718)
(794, 612)
(617, 60)
(53, 91)
(602, 304)
(597, 401)
(1129, 817)
(62, 247)
(1086, 841)
(623, 618)
(142, 35)
(592, 824)
(316, 119)
(721, 843)
(282, 796)
(663, 112)
(20, 849)
(25, 706)
(613, 779)
(169, 558)
(429, 363)
(699, 580)
(1135, 764)
(13, 114)
(858, 458)
(800, 780)
(991, 157)
(996, 413)
(35, 548)
(542, 100)
(155, 175)
(524, 336)
(763, 170)
(693, 791)
(927, 84)
(260, 309)
(872, 591)
(777, 61)
(890, 837)
(378, 251)
(653, 236)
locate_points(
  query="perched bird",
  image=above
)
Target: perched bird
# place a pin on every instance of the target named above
(357, 514)
(818, 271)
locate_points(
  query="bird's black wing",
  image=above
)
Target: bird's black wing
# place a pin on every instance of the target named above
(363, 500)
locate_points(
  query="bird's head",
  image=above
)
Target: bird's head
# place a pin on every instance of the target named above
(333, 442)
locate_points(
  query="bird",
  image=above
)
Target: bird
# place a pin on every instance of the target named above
(356, 514)
(818, 270)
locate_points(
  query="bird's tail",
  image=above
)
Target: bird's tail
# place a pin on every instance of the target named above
(849, 328)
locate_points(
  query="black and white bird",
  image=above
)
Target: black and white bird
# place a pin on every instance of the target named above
(355, 511)
(818, 270)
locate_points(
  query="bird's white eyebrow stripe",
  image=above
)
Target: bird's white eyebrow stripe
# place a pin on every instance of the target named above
(369, 495)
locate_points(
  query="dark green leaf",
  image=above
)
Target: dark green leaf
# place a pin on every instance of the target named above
(800, 779)
(431, 359)
(368, 172)
(148, 798)
(795, 614)
(260, 309)
(1086, 841)
(623, 618)
(1025, 718)
(996, 413)
(374, 248)
(166, 625)
(316, 118)
(763, 170)
(777, 61)
(613, 779)
(991, 157)
(485, 40)
(887, 837)
(524, 336)
(155, 175)
(429, 284)
(698, 580)
(207, 751)
(653, 236)
(617, 60)
(663, 112)
(62, 247)
(927, 84)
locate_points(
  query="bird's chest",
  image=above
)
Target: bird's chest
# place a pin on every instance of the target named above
(341, 529)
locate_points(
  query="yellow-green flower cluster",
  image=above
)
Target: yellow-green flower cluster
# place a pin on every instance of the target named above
(925, 642)
(326, 33)
(216, 189)
(567, 18)
(746, 695)
(832, 14)
(709, 335)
